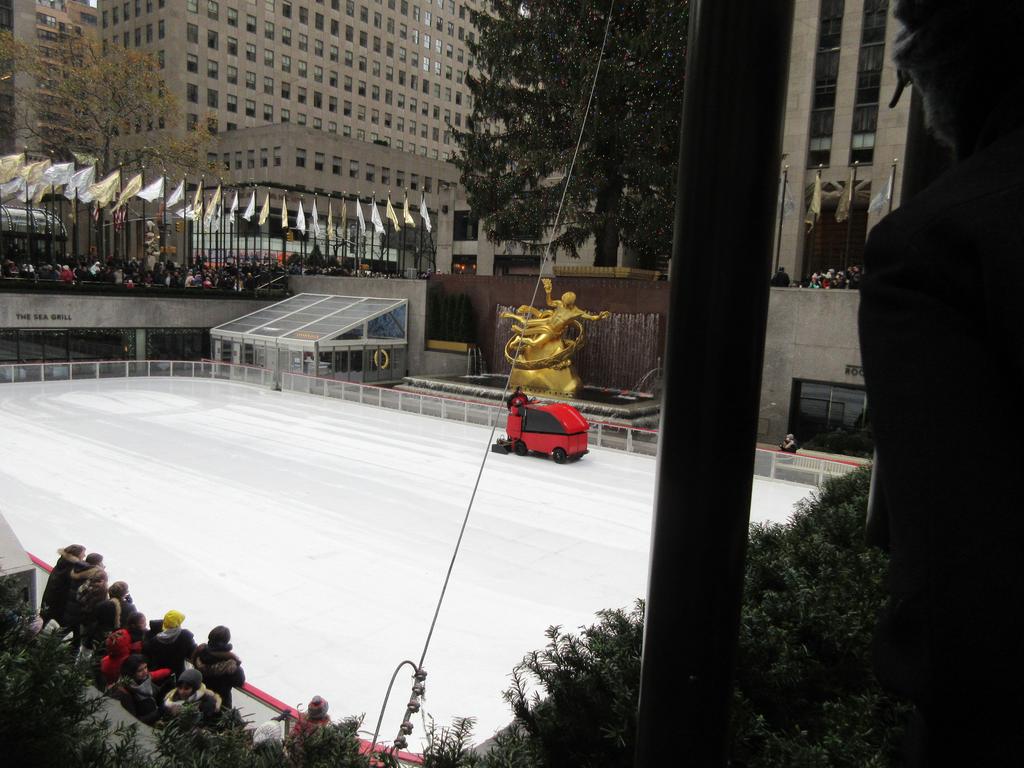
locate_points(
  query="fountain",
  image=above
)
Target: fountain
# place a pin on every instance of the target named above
(554, 353)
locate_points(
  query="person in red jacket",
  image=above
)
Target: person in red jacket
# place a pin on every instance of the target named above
(118, 648)
(315, 717)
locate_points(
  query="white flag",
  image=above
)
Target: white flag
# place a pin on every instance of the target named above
(250, 209)
(359, 218)
(177, 195)
(425, 214)
(184, 213)
(80, 183)
(234, 206)
(786, 204)
(314, 219)
(153, 191)
(879, 201)
(300, 219)
(60, 174)
(213, 206)
(814, 208)
(378, 225)
(13, 187)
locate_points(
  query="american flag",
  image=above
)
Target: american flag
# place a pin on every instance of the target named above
(119, 218)
(95, 212)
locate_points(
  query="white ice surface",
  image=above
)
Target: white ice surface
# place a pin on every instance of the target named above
(320, 531)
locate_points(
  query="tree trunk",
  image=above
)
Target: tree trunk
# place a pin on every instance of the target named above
(606, 233)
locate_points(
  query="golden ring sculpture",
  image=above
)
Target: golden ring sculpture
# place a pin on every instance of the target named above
(539, 349)
(376, 359)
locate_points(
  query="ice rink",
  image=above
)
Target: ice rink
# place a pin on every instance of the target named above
(319, 531)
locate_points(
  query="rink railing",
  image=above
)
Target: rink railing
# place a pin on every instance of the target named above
(776, 465)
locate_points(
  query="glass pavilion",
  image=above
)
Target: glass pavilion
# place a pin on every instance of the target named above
(351, 338)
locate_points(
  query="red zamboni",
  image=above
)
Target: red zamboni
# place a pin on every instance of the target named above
(557, 429)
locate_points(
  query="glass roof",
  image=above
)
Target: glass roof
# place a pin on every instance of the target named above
(310, 317)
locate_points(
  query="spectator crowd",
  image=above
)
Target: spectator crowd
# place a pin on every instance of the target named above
(153, 668)
(132, 274)
(828, 279)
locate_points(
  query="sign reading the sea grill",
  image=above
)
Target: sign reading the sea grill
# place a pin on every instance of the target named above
(29, 317)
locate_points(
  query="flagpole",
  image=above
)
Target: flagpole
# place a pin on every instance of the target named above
(143, 222)
(49, 228)
(807, 257)
(163, 213)
(849, 216)
(60, 218)
(74, 225)
(225, 241)
(892, 191)
(115, 234)
(782, 214)
(419, 246)
(31, 225)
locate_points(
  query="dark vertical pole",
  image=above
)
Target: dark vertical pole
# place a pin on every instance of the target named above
(141, 231)
(731, 128)
(782, 215)
(74, 226)
(849, 216)
(892, 191)
(60, 219)
(48, 213)
(31, 225)
(163, 214)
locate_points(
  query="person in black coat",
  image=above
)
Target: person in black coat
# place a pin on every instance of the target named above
(55, 595)
(171, 646)
(82, 572)
(221, 668)
(942, 342)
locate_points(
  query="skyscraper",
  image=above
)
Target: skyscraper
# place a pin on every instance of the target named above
(841, 79)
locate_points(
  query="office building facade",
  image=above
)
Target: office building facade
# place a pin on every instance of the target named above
(340, 97)
(837, 121)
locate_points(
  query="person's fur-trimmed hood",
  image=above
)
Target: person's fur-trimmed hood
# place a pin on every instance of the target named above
(84, 571)
(215, 662)
(65, 555)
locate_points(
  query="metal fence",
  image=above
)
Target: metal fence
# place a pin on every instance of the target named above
(776, 465)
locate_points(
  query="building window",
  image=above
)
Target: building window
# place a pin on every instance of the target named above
(826, 73)
(191, 62)
(869, 80)
(211, 39)
(300, 155)
(821, 408)
(353, 169)
(318, 161)
(192, 93)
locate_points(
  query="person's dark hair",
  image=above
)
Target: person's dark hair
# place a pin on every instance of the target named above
(963, 59)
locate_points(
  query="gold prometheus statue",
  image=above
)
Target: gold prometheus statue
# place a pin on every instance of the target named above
(540, 349)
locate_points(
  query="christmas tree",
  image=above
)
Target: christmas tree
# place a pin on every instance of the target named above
(536, 62)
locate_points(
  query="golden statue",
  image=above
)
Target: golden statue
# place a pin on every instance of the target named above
(539, 350)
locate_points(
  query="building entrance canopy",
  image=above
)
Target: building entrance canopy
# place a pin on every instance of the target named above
(354, 338)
